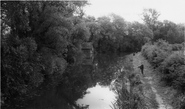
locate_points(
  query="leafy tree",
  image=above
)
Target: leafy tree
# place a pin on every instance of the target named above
(180, 33)
(90, 19)
(94, 29)
(139, 35)
(174, 32)
(105, 44)
(169, 31)
(120, 29)
(35, 35)
(165, 30)
(150, 18)
(80, 33)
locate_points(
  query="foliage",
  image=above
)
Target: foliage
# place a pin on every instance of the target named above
(150, 18)
(128, 100)
(80, 33)
(21, 71)
(139, 34)
(169, 31)
(112, 34)
(35, 37)
(172, 74)
(177, 47)
(173, 69)
(131, 93)
(156, 53)
(166, 30)
(170, 65)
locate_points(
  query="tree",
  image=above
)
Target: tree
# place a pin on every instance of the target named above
(94, 29)
(80, 33)
(106, 44)
(35, 35)
(169, 31)
(139, 35)
(150, 18)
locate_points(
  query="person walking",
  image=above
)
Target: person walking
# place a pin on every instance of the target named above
(142, 69)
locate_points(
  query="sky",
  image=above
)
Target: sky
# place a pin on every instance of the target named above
(131, 10)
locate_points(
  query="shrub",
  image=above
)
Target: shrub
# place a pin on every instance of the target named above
(170, 61)
(177, 47)
(162, 44)
(173, 71)
(156, 53)
(21, 71)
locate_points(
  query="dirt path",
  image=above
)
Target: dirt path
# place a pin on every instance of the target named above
(149, 79)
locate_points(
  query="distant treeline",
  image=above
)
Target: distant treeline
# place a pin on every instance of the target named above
(41, 39)
(169, 60)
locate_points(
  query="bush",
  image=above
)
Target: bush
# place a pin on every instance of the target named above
(173, 71)
(21, 71)
(25, 72)
(156, 53)
(170, 62)
(162, 44)
(171, 67)
(177, 47)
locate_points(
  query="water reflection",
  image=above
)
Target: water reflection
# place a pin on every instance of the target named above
(104, 72)
(106, 68)
(83, 84)
(98, 98)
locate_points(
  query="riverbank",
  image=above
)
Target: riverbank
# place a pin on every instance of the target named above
(151, 82)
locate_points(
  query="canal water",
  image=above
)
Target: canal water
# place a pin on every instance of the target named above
(102, 95)
(99, 97)
(90, 86)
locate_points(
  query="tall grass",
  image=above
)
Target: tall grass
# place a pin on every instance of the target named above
(133, 96)
(169, 60)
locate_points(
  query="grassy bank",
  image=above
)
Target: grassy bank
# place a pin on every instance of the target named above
(168, 60)
(132, 92)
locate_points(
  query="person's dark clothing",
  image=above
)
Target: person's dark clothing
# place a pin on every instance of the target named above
(142, 68)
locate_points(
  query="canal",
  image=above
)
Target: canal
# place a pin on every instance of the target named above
(101, 95)
(89, 86)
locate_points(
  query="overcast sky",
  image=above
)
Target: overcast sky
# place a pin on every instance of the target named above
(130, 10)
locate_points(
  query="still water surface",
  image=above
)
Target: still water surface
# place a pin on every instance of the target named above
(84, 85)
(101, 96)
(98, 97)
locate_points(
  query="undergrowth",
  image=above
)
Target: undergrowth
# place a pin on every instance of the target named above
(131, 92)
(169, 61)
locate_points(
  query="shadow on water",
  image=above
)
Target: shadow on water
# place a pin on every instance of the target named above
(80, 81)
